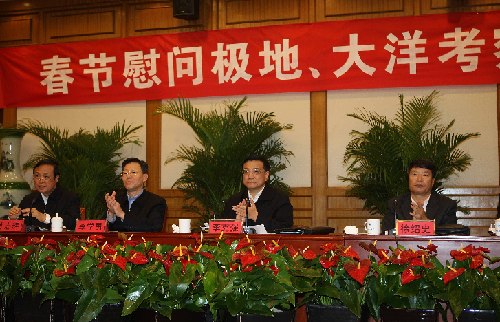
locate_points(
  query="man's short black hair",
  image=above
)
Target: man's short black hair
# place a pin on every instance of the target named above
(265, 162)
(51, 162)
(143, 164)
(424, 164)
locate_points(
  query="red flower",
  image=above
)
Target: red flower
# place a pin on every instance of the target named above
(186, 261)
(242, 243)
(25, 255)
(328, 262)
(249, 259)
(207, 255)
(349, 252)
(383, 254)
(66, 271)
(155, 255)
(408, 276)
(273, 247)
(476, 261)
(358, 270)
(452, 273)
(431, 248)
(7, 242)
(137, 258)
(292, 251)
(308, 254)
(275, 269)
(108, 249)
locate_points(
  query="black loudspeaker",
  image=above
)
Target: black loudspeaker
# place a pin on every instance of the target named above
(186, 9)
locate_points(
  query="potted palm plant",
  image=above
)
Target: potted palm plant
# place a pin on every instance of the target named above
(88, 162)
(225, 138)
(378, 158)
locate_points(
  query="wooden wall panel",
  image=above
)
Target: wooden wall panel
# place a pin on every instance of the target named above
(158, 18)
(19, 30)
(245, 13)
(351, 9)
(73, 25)
(444, 6)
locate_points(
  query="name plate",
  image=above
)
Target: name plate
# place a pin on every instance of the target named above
(91, 226)
(12, 225)
(415, 227)
(226, 226)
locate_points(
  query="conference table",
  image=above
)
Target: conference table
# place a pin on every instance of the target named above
(299, 242)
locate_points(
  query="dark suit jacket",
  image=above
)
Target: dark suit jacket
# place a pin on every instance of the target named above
(274, 207)
(146, 214)
(439, 207)
(66, 204)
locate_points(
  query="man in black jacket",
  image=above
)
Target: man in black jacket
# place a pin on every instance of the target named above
(135, 209)
(421, 202)
(266, 205)
(47, 200)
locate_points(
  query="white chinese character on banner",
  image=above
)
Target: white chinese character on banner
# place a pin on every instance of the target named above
(102, 61)
(188, 63)
(285, 60)
(141, 69)
(497, 44)
(461, 42)
(231, 61)
(413, 47)
(56, 75)
(354, 59)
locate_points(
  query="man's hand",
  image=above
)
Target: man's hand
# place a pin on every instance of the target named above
(14, 212)
(241, 210)
(114, 207)
(418, 211)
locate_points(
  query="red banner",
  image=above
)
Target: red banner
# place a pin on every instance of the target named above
(431, 50)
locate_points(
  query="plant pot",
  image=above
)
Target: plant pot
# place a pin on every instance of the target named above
(471, 315)
(148, 315)
(282, 316)
(25, 307)
(329, 313)
(389, 314)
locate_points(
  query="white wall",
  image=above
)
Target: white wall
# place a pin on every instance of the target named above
(474, 109)
(290, 108)
(88, 117)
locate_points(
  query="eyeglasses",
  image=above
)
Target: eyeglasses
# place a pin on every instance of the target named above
(129, 173)
(39, 177)
(255, 171)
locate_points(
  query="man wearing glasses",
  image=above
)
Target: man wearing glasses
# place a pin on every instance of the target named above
(135, 209)
(265, 204)
(47, 200)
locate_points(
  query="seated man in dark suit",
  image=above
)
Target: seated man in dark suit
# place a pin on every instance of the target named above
(421, 202)
(267, 205)
(135, 209)
(47, 200)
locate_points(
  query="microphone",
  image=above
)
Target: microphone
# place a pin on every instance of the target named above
(246, 212)
(31, 227)
(395, 203)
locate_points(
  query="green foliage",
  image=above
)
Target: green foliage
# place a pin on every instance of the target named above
(225, 138)
(87, 161)
(377, 160)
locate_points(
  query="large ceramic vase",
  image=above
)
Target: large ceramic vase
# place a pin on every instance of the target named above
(329, 313)
(389, 314)
(13, 187)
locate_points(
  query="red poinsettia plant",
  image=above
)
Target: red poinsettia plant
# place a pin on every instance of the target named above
(470, 282)
(337, 276)
(403, 278)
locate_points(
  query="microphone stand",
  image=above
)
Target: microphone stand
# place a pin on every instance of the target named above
(247, 229)
(31, 228)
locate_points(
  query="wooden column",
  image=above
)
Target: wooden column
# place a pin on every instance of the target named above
(153, 145)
